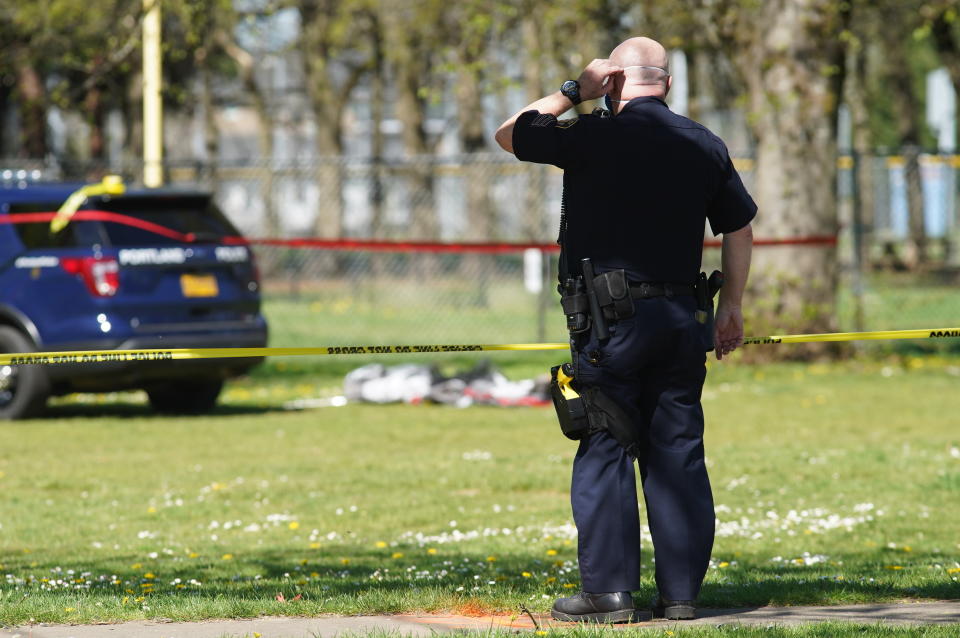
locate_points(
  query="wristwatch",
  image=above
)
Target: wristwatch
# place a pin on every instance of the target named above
(571, 90)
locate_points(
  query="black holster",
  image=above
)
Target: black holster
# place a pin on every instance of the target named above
(706, 290)
(612, 296)
(584, 413)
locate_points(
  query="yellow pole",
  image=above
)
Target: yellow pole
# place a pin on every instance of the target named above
(152, 104)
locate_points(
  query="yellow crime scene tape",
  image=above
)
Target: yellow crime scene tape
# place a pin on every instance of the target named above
(185, 354)
(111, 185)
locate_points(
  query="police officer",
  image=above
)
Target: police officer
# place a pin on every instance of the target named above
(639, 184)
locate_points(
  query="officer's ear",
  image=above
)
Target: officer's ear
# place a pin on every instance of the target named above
(669, 84)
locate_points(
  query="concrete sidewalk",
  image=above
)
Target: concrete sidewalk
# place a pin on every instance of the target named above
(426, 625)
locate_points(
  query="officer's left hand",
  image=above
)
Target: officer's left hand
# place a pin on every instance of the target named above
(594, 80)
(728, 330)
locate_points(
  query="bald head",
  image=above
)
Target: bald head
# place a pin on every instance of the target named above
(645, 70)
(639, 52)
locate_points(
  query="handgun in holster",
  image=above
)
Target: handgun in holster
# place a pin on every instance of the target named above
(706, 290)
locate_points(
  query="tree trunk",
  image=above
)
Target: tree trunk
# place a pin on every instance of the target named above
(4, 107)
(211, 132)
(94, 107)
(782, 50)
(907, 112)
(948, 46)
(410, 111)
(32, 97)
(133, 115)
(863, 182)
(377, 191)
(480, 211)
(330, 176)
(376, 127)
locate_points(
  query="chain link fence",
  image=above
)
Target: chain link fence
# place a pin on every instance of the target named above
(897, 245)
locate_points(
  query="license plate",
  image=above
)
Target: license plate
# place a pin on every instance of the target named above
(199, 285)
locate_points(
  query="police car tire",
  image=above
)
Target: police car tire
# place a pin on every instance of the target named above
(193, 396)
(33, 385)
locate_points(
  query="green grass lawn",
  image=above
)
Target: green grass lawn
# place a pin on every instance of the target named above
(834, 483)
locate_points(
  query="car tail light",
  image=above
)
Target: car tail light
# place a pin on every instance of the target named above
(100, 274)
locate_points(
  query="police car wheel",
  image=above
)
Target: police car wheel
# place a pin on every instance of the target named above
(185, 397)
(23, 389)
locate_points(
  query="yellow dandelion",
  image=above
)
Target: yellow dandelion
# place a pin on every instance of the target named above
(954, 570)
(136, 566)
(723, 564)
(894, 567)
(552, 579)
(69, 609)
(907, 548)
(668, 632)
(551, 552)
(124, 601)
(380, 544)
(257, 634)
(344, 561)
(432, 551)
(180, 585)
(397, 555)
(151, 510)
(491, 559)
(540, 632)
(314, 575)
(193, 555)
(129, 591)
(314, 545)
(294, 525)
(526, 574)
(568, 585)
(140, 599)
(149, 575)
(146, 586)
(227, 557)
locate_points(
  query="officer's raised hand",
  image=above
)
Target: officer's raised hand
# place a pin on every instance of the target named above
(597, 79)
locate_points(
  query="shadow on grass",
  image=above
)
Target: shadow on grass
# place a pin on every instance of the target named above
(369, 581)
(142, 410)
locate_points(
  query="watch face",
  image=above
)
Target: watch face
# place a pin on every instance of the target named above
(571, 89)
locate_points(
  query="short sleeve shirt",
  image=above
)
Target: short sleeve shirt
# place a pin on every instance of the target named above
(638, 187)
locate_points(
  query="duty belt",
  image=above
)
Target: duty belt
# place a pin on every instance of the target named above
(647, 290)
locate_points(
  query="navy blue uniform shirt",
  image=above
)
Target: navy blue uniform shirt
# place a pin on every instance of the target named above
(638, 187)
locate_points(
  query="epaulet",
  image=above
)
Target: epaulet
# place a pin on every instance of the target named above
(567, 123)
(544, 119)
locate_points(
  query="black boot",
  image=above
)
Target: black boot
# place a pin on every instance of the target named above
(673, 609)
(598, 608)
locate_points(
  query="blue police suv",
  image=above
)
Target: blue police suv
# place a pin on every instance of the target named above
(152, 268)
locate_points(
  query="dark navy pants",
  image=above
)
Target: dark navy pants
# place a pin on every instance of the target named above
(653, 366)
